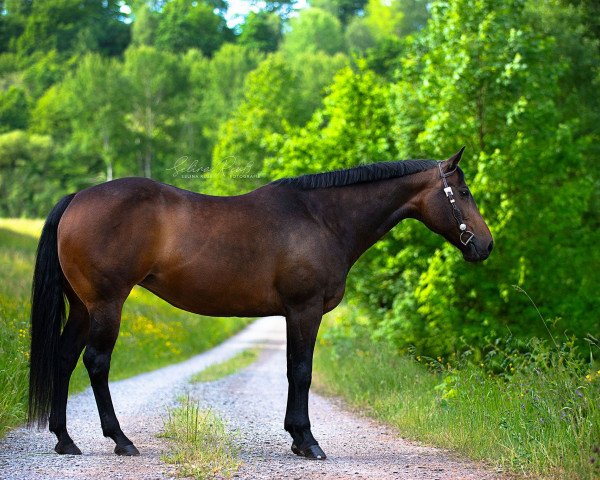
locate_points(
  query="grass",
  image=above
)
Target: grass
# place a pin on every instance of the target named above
(228, 367)
(539, 418)
(153, 333)
(201, 447)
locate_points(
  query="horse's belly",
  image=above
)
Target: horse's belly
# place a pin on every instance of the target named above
(224, 297)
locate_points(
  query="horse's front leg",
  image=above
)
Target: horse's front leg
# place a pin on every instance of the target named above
(302, 327)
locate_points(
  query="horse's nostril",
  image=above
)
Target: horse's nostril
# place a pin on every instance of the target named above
(490, 246)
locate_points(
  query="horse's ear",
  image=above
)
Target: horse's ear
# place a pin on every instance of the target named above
(452, 162)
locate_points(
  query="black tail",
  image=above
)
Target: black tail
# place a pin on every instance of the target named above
(47, 317)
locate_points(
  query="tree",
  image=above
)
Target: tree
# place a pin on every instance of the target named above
(14, 109)
(155, 84)
(224, 87)
(185, 24)
(97, 97)
(359, 36)
(261, 30)
(280, 96)
(485, 76)
(143, 30)
(352, 128)
(25, 173)
(316, 72)
(73, 26)
(12, 19)
(251, 134)
(43, 70)
(344, 10)
(311, 31)
(589, 12)
(396, 18)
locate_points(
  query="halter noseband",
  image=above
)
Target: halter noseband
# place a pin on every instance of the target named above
(465, 235)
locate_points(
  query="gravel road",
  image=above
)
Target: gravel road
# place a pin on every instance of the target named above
(253, 404)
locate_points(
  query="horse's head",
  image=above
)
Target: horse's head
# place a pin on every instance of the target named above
(448, 208)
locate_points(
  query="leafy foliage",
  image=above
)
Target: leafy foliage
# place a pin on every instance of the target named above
(528, 407)
(184, 24)
(313, 30)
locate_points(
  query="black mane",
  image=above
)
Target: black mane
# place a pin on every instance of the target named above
(363, 173)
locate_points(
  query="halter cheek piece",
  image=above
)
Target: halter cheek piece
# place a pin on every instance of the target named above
(465, 235)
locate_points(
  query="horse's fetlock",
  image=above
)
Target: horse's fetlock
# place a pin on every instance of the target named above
(294, 424)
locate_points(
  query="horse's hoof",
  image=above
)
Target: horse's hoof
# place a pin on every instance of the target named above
(127, 450)
(314, 452)
(67, 449)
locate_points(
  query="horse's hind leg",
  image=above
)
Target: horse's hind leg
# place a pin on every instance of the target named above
(105, 319)
(72, 340)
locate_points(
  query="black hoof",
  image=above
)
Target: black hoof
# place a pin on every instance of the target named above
(127, 450)
(67, 449)
(314, 452)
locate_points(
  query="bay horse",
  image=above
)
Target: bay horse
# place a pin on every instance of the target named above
(283, 249)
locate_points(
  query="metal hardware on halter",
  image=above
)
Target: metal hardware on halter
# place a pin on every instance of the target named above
(465, 235)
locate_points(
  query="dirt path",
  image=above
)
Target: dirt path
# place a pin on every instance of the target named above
(253, 404)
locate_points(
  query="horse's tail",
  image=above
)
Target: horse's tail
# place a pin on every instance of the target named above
(47, 317)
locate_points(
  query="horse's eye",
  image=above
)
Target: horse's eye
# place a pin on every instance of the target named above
(464, 193)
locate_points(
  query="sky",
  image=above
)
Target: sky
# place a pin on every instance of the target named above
(240, 8)
(237, 10)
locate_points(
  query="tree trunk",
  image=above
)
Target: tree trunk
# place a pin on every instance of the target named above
(107, 159)
(148, 164)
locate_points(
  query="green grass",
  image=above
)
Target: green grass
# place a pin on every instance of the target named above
(200, 445)
(541, 418)
(228, 367)
(153, 333)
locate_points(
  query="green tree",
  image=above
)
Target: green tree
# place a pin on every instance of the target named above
(49, 115)
(14, 109)
(261, 30)
(43, 70)
(359, 36)
(316, 72)
(12, 19)
(352, 128)
(589, 12)
(143, 30)
(224, 90)
(280, 96)
(344, 10)
(491, 80)
(95, 103)
(156, 86)
(25, 173)
(252, 132)
(185, 24)
(73, 26)
(311, 31)
(193, 141)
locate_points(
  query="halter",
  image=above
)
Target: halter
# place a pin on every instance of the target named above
(465, 235)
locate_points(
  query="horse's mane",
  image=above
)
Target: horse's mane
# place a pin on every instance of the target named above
(361, 174)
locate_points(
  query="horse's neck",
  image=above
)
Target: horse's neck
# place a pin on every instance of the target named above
(361, 214)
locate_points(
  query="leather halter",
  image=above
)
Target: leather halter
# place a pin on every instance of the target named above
(465, 235)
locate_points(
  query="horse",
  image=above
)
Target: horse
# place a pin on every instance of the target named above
(283, 249)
